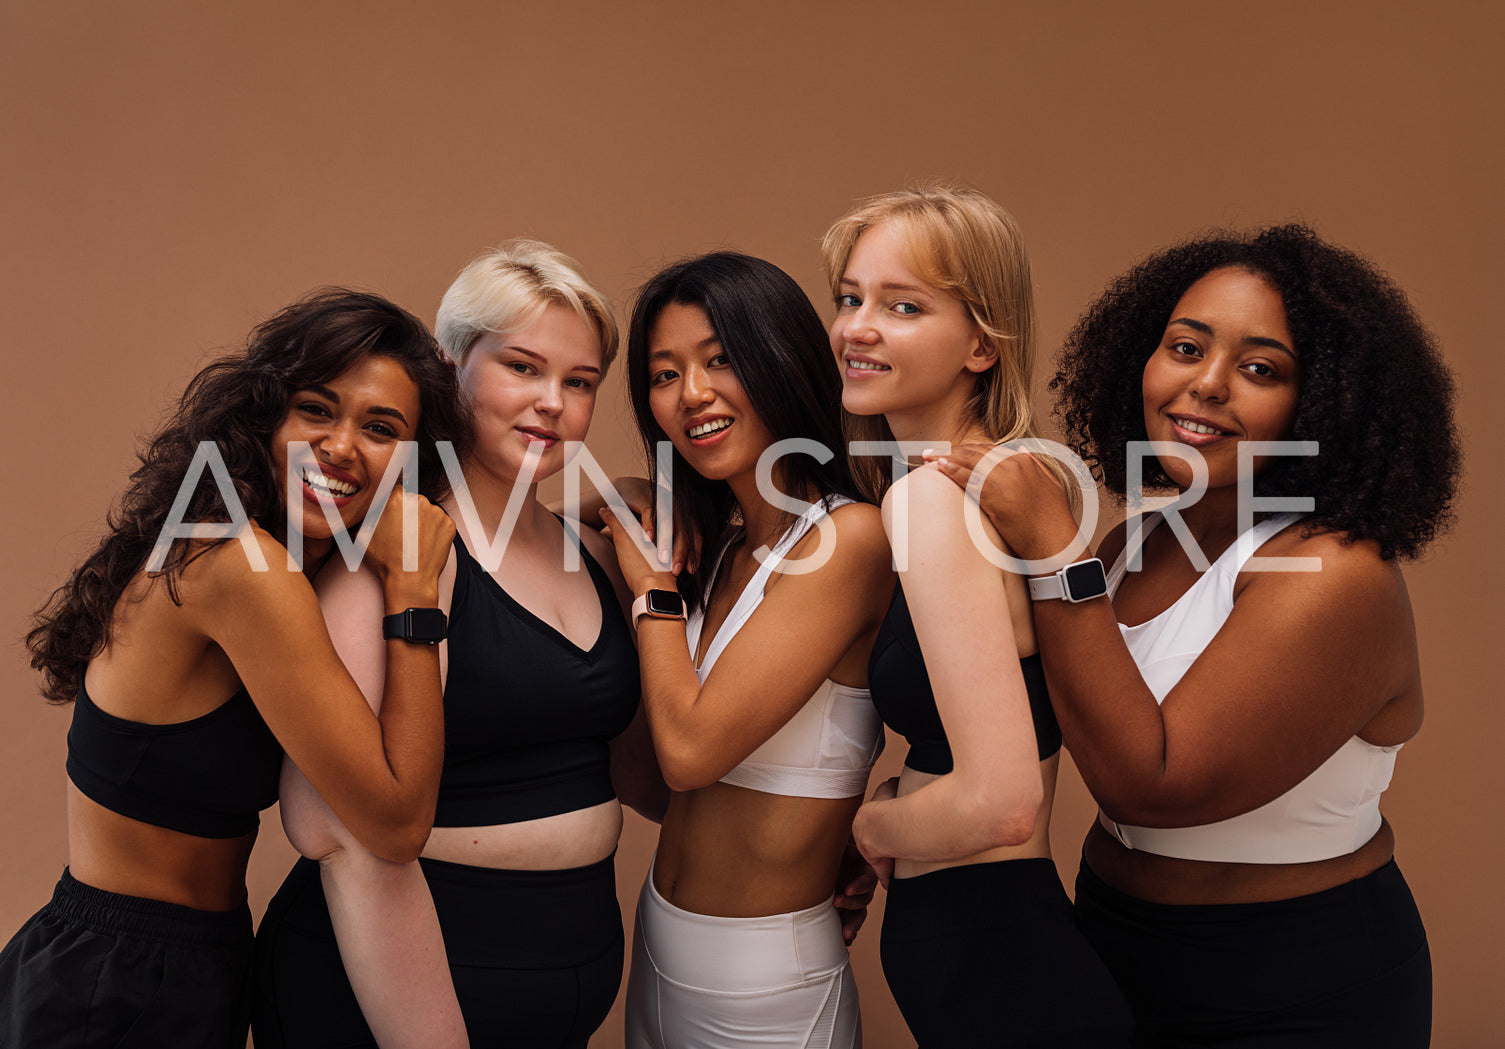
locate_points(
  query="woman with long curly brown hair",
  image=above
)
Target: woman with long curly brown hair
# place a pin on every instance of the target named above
(147, 939)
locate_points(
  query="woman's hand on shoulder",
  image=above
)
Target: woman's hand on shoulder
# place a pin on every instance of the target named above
(1024, 501)
(410, 521)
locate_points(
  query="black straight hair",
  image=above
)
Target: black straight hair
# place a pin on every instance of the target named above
(781, 356)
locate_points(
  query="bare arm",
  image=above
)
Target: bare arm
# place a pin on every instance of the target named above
(380, 774)
(961, 616)
(811, 620)
(1305, 661)
(382, 912)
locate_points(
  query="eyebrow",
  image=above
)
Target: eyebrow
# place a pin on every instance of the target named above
(892, 286)
(379, 409)
(540, 357)
(1249, 340)
(710, 340)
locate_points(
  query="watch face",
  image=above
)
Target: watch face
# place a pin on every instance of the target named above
(665, 603)
(1085, 580)
(426, 625)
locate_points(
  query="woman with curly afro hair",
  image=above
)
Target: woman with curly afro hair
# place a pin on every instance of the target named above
(1236, 715)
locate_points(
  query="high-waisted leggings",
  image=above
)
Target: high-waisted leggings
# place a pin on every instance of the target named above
(98, 970)
(779, 981)
(1346, 966)
(989, 954)
(536, 958)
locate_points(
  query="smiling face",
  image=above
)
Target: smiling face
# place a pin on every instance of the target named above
(907, 349)
(534, 387)
(353, 425)
(696, 398)
(1225, 371)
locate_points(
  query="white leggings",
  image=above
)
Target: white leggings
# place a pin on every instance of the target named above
(700, 981)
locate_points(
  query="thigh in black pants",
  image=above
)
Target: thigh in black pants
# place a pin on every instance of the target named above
(989, 954)
(536, 958)
(1348, 966)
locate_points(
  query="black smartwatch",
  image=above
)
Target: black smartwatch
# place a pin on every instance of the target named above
(421, 626)
(1075, 583)
(660, 604)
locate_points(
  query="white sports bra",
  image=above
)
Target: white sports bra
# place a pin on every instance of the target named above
(828, 748)
(1331, 813)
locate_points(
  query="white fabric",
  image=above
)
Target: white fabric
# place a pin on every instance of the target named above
(827, 749)
(1331, 813)
(702, 981)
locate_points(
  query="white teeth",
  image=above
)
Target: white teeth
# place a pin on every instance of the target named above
(714, 426)
(323, 482)
(867, 366)
(1187, 424)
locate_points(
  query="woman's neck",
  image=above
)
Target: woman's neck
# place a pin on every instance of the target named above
(937, 423)
(762, 521)
(489, 495)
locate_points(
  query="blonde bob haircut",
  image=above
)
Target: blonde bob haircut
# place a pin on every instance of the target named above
(959, 241)
(507, 288)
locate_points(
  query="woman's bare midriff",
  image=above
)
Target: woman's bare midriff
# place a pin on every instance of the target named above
(738, 853)
(1038, 846)
(570, 839)
(1167, 879)
(118, 854)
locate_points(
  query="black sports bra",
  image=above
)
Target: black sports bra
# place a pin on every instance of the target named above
(527, 714)
(901, 691)
(209, 777)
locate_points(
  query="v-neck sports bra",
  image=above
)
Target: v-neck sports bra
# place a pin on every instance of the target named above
(828, 748)
(528, 715)
(1331, 813)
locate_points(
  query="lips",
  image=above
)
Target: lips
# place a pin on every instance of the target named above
(537, 433)
(327, 483)
(859, 366)
(705, 430)
(1191, 429)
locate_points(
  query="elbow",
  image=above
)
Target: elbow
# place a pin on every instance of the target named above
(400, 841)
(1009, 818)
(684, 767)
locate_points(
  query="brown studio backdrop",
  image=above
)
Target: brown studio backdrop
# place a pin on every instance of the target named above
(175, 174)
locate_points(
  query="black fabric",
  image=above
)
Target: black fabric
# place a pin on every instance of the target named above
(536, 958)
(527, 714)
(1345, 967)
(988, 954)
(98, 970)
(209, 777)
(902, 695)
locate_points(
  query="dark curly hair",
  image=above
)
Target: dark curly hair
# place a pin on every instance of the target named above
(781, 356)
(1374, 390)
(238, 402)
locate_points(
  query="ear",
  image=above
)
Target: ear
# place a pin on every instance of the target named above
(984, 354)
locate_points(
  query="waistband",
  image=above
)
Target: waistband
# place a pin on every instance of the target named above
(995, 895)
(114, 913)
(739, 955)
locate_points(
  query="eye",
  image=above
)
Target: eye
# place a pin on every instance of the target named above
(847, 302)
(720, 360)
(1185, 348)
(520, 367)
(906, 309)
(1260, 368)
(315, 409)
(382, 429)
(578, 383)
(660, 377)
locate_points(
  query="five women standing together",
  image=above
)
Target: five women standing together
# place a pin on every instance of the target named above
(1236, 724)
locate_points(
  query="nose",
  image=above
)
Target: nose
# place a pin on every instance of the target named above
(338, 443)
(550, 399)
(857, 327)
(1211, 380)
(696, 390)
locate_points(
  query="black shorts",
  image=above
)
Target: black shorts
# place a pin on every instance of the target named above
(98, 969)
(988, 954)
(536, 958)
(1346, 966)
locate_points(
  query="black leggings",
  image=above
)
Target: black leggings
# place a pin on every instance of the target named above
(988, 954)
(1347, 966)
(98, 970)
(536, 958)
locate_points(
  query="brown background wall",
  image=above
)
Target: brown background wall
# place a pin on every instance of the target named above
(174, 174)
